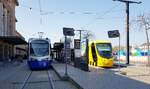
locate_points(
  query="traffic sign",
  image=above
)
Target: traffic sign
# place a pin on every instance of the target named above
(77, 43)
(113, 34)
(68, 31)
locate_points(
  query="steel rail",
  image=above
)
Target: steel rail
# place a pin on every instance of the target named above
(26, 80)
(50, 80)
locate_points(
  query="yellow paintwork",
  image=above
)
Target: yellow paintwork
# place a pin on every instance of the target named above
(101, 61)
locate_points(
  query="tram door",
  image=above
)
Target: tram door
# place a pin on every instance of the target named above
(94, 54)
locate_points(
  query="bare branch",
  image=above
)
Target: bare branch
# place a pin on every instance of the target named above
(88, 35)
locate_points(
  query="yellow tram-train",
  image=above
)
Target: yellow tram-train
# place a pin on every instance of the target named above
(100, 53)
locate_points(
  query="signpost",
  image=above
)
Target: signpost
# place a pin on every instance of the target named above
(84, 54)
(77, 52)
(115, 34)
(67, 32)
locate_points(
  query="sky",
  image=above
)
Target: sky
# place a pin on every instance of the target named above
(97, 16)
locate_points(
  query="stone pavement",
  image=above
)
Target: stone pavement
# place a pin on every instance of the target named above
(106, 79)
(13, 75)
(138, 72)
(9, 68)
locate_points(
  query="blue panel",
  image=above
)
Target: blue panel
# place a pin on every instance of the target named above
(44, 64)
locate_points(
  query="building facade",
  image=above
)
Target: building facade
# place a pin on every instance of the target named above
(8, 33)
(20, 50)
(144, 46)
(7, 17)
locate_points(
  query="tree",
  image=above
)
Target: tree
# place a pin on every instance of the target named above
(116, 48)
(88, 35)
(144, 22)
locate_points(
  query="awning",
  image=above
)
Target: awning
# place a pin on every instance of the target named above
(14, 40)
(18, 48)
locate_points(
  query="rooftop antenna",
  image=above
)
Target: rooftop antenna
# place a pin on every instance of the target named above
(40, 34)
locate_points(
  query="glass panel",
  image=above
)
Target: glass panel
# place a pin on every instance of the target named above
(39, 48)
(104, 46)
(104, 49)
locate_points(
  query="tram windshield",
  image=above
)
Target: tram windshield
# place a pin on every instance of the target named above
(104, 49)
(39, 48)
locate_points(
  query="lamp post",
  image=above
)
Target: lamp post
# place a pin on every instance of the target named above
(127, 26)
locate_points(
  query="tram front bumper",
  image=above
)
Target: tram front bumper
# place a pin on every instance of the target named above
(39, 64)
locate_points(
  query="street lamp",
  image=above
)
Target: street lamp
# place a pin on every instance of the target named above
(127, 25)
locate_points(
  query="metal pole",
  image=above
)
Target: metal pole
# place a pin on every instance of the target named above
(127, 26)
(87, 54)
(119, 53)
(80, 34)
(127, 33)
(66, 70)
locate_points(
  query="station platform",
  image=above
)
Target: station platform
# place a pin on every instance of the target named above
(105, 79)
(7, 69)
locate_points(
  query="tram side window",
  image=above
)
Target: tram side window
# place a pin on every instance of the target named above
(94, 52)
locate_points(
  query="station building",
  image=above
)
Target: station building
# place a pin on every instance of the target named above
(9, 37)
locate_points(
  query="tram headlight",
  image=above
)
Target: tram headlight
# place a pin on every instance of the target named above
(45, 59)
(33, 59)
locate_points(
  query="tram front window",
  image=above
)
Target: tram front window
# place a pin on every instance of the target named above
(104, 49)
(39, 49)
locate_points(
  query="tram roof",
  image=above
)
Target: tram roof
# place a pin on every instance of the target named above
(99, 41)
(31, 39)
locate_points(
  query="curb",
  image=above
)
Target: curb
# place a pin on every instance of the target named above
(68, 79)
(75, 83)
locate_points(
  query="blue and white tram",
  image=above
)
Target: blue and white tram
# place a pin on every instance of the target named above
(39, 53)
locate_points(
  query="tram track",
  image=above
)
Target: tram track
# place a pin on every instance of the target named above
(23, 78)
(28, 81)
(50, 79)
